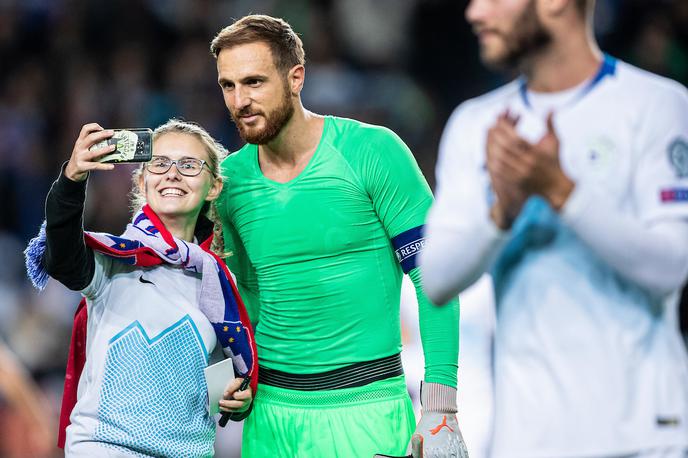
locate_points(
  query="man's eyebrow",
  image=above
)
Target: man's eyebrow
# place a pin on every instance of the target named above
(255, 76)
(244, 79)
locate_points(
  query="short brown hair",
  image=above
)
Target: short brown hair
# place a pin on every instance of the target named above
(285, 44)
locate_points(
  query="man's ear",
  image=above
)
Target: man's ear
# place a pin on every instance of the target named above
(295, 78)
(554, 8)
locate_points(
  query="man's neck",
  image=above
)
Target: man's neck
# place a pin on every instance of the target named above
(287, 155)
(564, 65)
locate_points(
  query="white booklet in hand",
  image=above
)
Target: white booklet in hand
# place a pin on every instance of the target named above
(217, 377)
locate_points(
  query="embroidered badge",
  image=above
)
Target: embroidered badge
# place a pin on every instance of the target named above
(678, 157)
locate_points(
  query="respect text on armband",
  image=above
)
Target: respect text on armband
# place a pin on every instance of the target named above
(407, 245)
(410, 249)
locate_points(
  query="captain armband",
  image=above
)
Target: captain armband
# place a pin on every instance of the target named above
(407, 247)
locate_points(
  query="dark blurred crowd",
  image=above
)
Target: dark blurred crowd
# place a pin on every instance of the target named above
(125, 63)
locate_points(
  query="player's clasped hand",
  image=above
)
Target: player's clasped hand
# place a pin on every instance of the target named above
(503, 148)
(438, 436)
(83, 160)
(235, 400)
(519, 169)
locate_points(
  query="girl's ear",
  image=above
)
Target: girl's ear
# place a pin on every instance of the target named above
(215, 189)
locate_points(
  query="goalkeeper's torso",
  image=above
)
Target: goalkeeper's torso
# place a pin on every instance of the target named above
(327, 276)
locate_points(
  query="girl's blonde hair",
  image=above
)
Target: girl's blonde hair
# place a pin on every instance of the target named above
(216, 153)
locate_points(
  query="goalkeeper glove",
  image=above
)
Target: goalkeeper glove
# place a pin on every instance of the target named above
(437, 434)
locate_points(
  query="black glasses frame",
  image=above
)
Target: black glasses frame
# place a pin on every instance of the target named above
(176, 162)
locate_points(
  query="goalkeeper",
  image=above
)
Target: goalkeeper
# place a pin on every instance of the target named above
(323, 215)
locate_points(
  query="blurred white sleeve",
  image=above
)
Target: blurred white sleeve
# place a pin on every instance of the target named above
(649, 248)
(461, 240)
(655, 256)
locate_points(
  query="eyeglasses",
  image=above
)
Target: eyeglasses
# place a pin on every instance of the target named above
(189, 167)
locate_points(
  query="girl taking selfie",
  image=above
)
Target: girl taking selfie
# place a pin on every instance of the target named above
(157, 300)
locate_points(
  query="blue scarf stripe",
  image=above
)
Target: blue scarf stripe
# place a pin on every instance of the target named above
(33, 257)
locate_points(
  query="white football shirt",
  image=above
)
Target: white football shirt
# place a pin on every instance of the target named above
(142, 391)
(586, 362)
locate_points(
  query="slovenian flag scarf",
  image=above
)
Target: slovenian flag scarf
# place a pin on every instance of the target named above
(146, 242)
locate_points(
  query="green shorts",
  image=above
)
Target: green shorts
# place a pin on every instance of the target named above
(345, 423)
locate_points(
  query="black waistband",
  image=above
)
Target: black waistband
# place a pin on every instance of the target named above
(357, 374)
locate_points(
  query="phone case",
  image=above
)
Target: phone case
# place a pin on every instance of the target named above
(132, 145)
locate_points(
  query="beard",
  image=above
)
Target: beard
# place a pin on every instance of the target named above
(527, 38)
(274, 122)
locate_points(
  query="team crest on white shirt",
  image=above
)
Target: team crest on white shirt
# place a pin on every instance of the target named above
(678, 157)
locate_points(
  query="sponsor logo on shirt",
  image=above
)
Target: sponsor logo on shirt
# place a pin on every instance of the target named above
(668, 421)
(674, 195)
(143, 280)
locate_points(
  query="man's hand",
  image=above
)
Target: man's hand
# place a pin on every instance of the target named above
(437, 434)
(532, 168)
(542, 172)
(502, 144)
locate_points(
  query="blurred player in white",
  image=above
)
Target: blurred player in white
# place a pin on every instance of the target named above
(570, 185)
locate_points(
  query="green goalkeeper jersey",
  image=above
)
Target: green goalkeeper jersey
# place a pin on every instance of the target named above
(314, 260)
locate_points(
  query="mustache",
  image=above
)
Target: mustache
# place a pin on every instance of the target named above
(245, 112)
(479, 28)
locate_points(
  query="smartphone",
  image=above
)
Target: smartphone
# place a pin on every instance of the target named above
(131, 145)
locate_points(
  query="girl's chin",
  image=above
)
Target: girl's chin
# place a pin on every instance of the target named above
(171, 211)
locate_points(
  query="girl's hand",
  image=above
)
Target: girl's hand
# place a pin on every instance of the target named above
(83, 160)
(234, 400)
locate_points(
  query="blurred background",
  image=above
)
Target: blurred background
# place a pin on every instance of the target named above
(405, 64)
